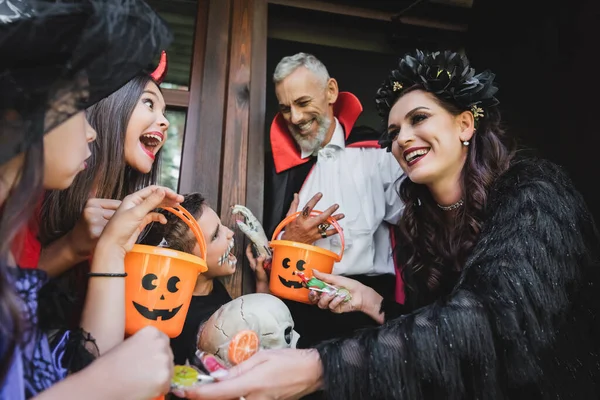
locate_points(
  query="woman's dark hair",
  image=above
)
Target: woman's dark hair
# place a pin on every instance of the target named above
(431, 252)
(175, 234)
(15, 212)
(107, 174)
(430, 249)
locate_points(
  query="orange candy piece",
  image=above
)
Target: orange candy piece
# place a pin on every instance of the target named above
(242, 346)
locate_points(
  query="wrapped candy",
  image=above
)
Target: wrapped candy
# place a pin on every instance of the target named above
(186, 376)
(242, 346)
(206, 369)
(319, 286)
(210, 363)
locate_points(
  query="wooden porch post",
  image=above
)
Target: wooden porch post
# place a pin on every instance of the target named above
(223, 150)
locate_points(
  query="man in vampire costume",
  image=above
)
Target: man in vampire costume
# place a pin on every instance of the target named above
(317, 149)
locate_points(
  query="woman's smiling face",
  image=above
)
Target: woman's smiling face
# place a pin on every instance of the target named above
(428, 139)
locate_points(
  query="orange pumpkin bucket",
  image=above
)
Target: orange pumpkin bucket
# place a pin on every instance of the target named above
(160, 282)
(289, 257)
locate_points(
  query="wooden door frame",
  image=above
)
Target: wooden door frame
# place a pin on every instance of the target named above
(224, 143)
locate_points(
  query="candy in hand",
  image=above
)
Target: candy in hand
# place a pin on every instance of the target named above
(320, 286)
(186, 376)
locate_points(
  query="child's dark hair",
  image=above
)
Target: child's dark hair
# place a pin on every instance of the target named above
(175, 232)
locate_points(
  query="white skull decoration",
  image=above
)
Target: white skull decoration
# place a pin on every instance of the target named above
(263, 313)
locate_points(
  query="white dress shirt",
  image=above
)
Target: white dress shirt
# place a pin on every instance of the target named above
(364, 182)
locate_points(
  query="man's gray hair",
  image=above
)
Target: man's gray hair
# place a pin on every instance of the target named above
(289, 64)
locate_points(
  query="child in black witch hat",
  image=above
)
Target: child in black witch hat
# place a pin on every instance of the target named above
(57, 59)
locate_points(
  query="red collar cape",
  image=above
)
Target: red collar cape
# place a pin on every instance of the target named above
(286, 154)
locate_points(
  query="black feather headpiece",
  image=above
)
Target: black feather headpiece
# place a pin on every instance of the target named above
(447, 75)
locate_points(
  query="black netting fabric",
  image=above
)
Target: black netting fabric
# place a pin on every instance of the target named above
(59, 57)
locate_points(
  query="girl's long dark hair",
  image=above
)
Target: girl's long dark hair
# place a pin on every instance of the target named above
(15, 212)
(431, 250)
(107, 175)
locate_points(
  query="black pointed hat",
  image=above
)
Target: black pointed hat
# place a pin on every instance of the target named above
(59, 57)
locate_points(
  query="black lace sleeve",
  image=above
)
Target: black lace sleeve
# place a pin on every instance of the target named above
(519, 322)
(80, 348)
(59, 313)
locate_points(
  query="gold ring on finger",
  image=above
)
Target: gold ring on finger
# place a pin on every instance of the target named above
(323, 228)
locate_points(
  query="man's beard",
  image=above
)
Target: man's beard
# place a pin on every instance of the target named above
(311, 144)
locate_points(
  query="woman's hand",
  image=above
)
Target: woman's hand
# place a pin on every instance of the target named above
(87, 231)
(364, 298)
(269, 374)
(257, 266)
(134, 213)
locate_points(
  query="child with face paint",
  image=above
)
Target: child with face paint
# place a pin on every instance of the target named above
(209, 293)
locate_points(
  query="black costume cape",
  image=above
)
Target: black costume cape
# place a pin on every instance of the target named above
(285, 175)
(523, 321)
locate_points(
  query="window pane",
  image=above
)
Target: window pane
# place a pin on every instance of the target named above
(171, 151)
(180, 15)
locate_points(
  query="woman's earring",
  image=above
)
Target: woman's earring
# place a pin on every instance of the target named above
(465, 143)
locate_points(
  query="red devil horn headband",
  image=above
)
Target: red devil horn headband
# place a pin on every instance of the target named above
(159, 73)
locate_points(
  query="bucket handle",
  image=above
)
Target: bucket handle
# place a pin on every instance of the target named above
(193, 224)
(330, 220)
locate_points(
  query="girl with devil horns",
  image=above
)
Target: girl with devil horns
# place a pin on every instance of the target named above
(500, 262)
(47, 82)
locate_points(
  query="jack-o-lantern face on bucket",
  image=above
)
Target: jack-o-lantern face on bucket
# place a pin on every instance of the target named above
(293, 262)
(158, 288)
(160, 283)
(288, 266)
(165, 309)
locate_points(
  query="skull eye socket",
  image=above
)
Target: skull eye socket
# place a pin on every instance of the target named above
(300, 265)
(172, 284)
(286, 263)
(288, 335)
(148, 281)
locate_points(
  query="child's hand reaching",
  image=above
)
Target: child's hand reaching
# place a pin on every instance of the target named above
(134, 213)
(257, 265)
